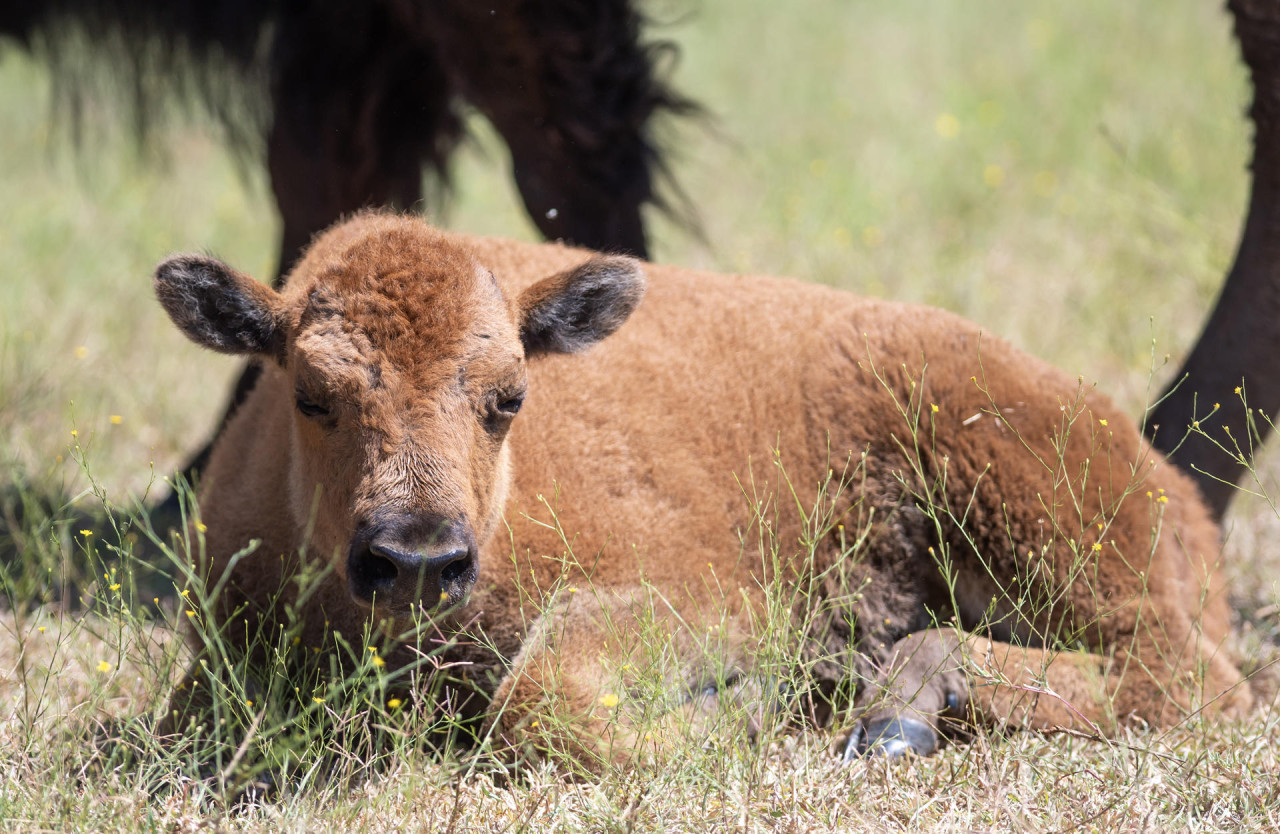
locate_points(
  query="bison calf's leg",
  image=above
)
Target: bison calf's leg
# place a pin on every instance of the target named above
(610, 678)
(923, 688)
(943, 681)
(946, 680)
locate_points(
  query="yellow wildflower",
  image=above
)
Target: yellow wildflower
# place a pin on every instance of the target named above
(116, 419)
(104, 666)
(394, 703)
(608, 700)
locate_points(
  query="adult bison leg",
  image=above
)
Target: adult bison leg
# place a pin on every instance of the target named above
(943, 680)
(1239, 339)
(361, 104)
(572, 91)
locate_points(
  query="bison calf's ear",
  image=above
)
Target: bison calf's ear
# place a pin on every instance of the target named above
(219, 308)
(572, 311)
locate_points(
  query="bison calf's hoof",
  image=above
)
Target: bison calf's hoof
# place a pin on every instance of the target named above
(891, 737)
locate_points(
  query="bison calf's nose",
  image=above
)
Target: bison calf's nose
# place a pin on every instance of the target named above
(411, 562)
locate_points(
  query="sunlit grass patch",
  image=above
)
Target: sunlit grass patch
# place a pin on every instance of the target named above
(1071, 176)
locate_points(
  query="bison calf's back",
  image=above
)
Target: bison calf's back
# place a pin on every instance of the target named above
(609, 501)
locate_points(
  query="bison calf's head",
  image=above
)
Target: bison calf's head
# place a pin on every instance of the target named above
(393, 368)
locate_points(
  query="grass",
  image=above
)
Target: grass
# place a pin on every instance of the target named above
(1072, 176)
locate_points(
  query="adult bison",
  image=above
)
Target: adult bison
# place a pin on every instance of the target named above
(352, 100)
(958, 531)
(1239, 338)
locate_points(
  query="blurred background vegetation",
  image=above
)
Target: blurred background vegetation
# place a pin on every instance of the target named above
(1070, 175)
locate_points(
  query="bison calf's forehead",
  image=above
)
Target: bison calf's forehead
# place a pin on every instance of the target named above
(409, 307)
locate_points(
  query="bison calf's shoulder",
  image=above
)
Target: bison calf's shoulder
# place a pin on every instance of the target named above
(455, 428)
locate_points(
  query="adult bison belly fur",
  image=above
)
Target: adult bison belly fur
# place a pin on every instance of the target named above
(954, 533)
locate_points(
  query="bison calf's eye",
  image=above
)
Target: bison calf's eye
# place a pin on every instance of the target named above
(310, 408)
(511, 405)
(502, 409)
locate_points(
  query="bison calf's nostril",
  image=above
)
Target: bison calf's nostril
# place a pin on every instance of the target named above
(379, 570)
(456, 568)
(371, 573)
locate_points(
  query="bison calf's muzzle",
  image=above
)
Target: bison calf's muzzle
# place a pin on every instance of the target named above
(408, 562)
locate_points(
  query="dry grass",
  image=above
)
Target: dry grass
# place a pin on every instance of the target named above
(1196, 777)
(1072, 176)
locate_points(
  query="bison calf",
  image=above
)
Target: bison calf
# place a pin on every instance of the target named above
(959, 532)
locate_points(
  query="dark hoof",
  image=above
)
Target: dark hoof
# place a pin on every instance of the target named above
(891, 738)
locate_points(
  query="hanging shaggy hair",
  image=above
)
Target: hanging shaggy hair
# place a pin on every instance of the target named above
(242, 61)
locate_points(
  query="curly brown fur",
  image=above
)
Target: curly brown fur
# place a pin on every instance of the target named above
(622, 476)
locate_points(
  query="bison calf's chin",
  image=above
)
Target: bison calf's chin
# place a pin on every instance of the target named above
(405, 564)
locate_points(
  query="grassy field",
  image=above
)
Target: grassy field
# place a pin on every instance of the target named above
(1071, 176)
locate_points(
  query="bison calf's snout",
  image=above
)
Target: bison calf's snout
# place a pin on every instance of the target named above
(412, 562)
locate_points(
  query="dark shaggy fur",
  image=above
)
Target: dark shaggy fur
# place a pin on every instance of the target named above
(1238, 344)
(351, 100)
